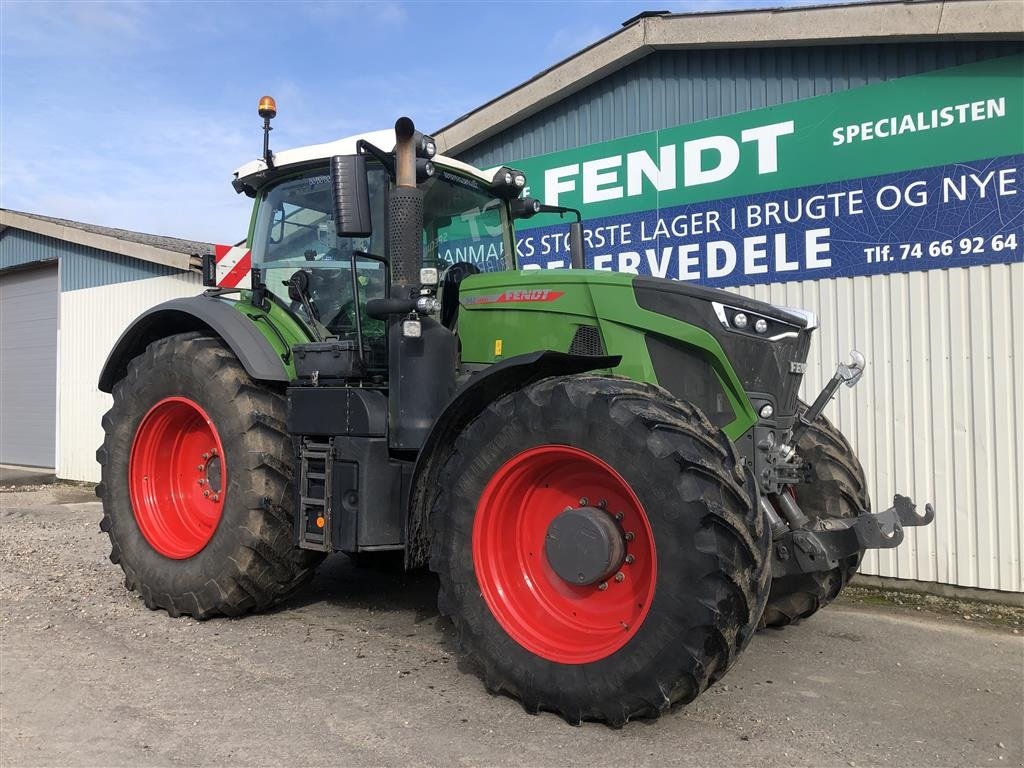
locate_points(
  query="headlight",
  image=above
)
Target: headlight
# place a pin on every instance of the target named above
(740, 320)
(427, 305)
(508, 182)
(425, 145)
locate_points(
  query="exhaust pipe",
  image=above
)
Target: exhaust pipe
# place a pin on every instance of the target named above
(405, 214)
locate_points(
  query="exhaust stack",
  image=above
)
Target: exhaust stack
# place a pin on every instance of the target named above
(405, 214)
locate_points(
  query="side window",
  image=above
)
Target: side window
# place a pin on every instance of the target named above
(463, 225)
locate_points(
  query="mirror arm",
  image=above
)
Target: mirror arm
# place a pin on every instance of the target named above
(387, 159)
(561, 210)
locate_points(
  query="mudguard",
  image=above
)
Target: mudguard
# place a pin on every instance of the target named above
(196, 313)
(468, 402)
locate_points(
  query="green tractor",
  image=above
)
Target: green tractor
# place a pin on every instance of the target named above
(611, 475)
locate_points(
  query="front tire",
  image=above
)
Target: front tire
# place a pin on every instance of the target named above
(196, 490)
(687, 602)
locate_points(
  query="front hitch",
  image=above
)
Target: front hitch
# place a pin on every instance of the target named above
(832, 541)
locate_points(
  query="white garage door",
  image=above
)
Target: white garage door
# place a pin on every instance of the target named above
(28, 367)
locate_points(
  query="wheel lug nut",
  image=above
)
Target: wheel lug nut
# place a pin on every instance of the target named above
(200, 467)
(620, 577)
(206, 492)
(603, 586)
(216, 497)
(630, 559)
(602, 503)
(201, 481)
(619, 515)
(584, 501)
(205, 456)
(629, 536)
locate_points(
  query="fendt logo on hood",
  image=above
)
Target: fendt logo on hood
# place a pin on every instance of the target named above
(514, 297)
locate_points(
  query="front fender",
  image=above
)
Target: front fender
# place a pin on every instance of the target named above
(209, 314)
(468, 402)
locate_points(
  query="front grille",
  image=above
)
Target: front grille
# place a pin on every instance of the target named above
(587, 342)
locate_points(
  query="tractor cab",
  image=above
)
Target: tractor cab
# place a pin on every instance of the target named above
(307, 260)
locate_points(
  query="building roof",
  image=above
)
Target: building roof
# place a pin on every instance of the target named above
(876, 22)
(169, 251)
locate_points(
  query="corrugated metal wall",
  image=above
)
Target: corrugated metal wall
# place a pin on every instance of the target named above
(87, 267)
(91, 321)
(670, 88)
(937, 416)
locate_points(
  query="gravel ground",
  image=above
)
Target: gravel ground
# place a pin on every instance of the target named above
(359, 670)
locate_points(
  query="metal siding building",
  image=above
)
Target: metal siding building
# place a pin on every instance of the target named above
(669, 88)
(937, 416)
(53, 342)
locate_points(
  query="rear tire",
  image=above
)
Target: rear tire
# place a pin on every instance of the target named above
(837, 490)
(701, 549)
(230, 551)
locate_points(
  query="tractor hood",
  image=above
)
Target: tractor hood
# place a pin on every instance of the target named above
(767, 345)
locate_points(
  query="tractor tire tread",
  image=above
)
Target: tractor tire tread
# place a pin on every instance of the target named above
(731, 537)
(263, 565)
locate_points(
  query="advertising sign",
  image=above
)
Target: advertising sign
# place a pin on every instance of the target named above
(924, 172)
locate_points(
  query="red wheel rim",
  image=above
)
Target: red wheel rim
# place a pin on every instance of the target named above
(552, 618)
(177, 477)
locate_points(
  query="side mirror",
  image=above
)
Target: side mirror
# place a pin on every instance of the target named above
(577, 259)
(351, 196)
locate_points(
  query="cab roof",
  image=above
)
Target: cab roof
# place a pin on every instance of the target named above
(384, 139)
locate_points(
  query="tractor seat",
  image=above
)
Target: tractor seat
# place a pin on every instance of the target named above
(450, 279)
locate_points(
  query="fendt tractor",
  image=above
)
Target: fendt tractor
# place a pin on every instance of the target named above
(611, 475)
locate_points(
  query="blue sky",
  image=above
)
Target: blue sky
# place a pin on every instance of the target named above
(133, 114)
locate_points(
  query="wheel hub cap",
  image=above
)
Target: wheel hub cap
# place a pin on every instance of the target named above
(584, 546)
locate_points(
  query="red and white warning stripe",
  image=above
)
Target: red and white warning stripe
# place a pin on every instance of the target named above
(234, 265)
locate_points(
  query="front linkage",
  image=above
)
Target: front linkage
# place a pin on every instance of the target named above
(801, 545)
(830, 542)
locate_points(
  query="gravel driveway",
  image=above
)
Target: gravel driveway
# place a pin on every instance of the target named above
(359, 670)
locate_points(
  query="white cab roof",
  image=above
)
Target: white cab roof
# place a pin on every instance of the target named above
(347, 146)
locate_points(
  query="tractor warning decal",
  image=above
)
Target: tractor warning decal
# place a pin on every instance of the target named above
(514, 297)
(234, 264)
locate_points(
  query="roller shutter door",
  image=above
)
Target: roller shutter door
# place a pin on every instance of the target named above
(28, 367)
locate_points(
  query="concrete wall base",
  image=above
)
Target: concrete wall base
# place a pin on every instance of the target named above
(996, 596)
